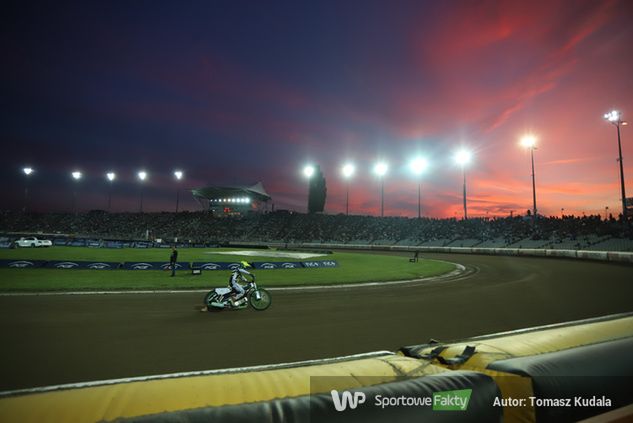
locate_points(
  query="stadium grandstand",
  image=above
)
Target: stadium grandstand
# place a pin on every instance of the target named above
(569, 232)
(236, 200)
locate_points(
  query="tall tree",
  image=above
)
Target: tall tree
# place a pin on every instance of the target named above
(318, 192)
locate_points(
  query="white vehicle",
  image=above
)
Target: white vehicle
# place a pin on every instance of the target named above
(31, 241)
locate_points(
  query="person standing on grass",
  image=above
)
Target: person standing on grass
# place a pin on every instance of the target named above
(173, 259)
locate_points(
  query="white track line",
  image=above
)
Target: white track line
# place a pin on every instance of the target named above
(459, 269)
(196, 373)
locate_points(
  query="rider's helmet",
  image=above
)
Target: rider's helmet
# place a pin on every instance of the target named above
(245, 265)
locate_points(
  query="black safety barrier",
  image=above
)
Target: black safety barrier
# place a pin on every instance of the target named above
(21, 264)
(216, 265)
(320, 407)
(154, 265)
(5, 244)
(574, 384)
(73, 264)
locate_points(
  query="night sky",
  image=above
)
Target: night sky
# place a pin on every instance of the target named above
(235, 92)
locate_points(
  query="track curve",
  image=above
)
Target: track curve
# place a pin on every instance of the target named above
(64, 339)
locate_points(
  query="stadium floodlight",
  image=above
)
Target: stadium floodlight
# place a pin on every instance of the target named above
(529, 141)
(142, 176)
(27, 172)
(616, 119)
(418, 165)
(248, 200)
(178, 174)
(462, 158)
(76, 176)
(308, 171)
(380, 169)
(348, 171)
(111, 176)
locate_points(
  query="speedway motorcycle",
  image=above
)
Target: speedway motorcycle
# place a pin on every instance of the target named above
(219, 298)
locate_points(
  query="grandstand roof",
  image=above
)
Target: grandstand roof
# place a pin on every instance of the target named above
(256, 191)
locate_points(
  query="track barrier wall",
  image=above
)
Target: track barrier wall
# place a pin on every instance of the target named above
(471, 380)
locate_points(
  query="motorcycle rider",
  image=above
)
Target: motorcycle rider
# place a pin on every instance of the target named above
(239, 275)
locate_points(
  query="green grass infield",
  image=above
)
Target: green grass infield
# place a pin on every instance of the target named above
(353, 268)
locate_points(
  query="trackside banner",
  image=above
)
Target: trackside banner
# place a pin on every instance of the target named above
(22, 264)
(320, 263)
(94, 265)
(154, 265)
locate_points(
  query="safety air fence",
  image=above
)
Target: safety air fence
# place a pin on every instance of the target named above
(612, 256)
(557, 373)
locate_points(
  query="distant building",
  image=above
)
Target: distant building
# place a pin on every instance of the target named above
(233, 200)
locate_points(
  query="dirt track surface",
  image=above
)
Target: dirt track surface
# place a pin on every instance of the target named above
(50, 340)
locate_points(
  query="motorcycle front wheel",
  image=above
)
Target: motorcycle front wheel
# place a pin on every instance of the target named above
(263, 302)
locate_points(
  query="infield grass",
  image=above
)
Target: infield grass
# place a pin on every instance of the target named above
(353, 268)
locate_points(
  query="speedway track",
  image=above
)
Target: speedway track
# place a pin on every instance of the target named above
(57, 339)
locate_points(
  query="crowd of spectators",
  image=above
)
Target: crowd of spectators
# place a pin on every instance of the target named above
(296, 227)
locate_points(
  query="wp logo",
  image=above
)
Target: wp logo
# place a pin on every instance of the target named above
(344, 398)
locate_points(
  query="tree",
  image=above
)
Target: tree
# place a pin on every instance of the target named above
(318, 192)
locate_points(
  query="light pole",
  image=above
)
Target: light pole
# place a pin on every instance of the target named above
(418, 166)
(27, 172)
(142, 175)
(178, 174)
(462, 158)
(380, 169)
(615, 118)
(348, 171)
(76, 176)
(111, 176)
(529, 141)
(308, 172)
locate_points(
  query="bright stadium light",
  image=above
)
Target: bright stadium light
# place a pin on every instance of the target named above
(418, 165)
(178, 174)
(380, 169)
(76, 176)
(111, 176)
(462, 158)
(142, 176)
(529, 141)
(308, 171)
(616, 119)
(27, 172)
(348, 171)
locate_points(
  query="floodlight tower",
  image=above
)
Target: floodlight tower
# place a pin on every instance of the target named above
(142, 176)
(111, 176)
(418, 166)
(462, 158)
(380, 169)
(308, 172)
(76, 176)
(178, 174)
(348, 171)
(27, 172)
(529, 141)
(615, 118)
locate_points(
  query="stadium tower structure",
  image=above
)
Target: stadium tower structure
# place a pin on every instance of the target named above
(233, 200)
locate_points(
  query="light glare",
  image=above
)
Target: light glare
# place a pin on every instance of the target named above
(348, 170)
(27, 171)
(76, 175)
(308, 171)
(462, 157)
(178, 174)
(612, 116)
(418, 165)
(528, 141)
(111, 176)
(381, 168)
(142, 175)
